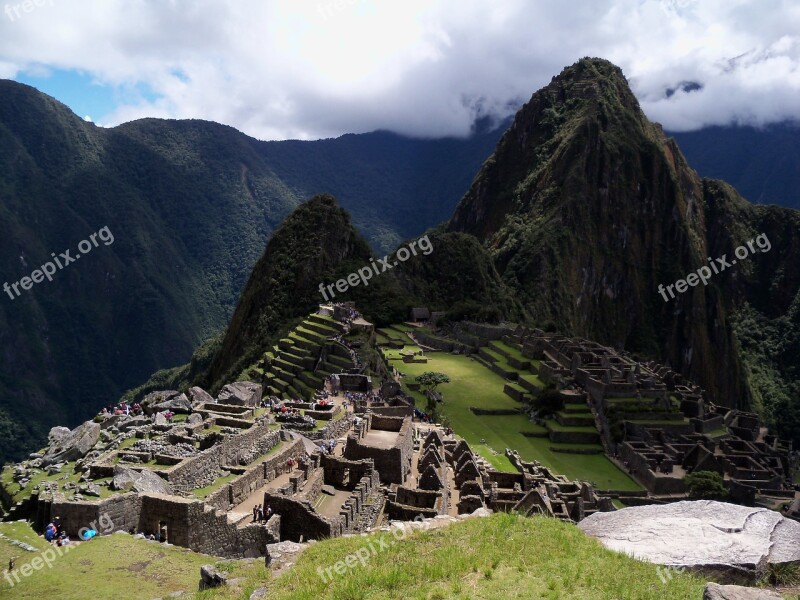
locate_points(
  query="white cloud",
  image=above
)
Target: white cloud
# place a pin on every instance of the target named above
(317, 68)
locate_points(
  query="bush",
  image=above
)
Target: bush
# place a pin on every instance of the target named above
(706, 485)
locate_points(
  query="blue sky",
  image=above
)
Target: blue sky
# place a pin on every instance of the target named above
(83, 93)
(307, 69)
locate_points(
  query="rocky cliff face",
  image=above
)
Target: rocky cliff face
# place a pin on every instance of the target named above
(587, 208)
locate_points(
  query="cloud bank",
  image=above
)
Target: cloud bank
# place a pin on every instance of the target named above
(319, 68)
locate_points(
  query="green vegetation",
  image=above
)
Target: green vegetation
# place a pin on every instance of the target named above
(706, 485)
(770, 347)
(503, 556)
(113, 566)
(67, 475)
(428, 382)
(473, 385)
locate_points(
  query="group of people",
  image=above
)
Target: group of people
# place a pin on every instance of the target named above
(123, 408)
(260, 514)
(328, 446)
(350, 313)
(54, 533)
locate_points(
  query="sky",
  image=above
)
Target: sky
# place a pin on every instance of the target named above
(309, 69)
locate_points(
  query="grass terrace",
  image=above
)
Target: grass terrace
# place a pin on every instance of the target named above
(204, 492)
(472, 384)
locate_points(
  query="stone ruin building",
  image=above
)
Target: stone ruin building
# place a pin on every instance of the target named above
(660, 427)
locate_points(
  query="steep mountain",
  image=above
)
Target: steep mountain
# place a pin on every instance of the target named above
(190, 205)
(587, 208)
(317, 244)
(763, 164)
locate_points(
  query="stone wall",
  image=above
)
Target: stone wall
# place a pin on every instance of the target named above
(331, 431)
(345, 474)
(313, 486)
(202, 469)
(394, 463)
(211, 533)
(299, 521)
(189, 523)
(640, 468)
(393, 411)
(386, 423)
(256, 477)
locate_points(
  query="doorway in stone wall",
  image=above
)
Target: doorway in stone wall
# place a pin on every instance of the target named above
(163, 532)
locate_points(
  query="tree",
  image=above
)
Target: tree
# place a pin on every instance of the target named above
(706, 485)
(428, 382)
(548, 402)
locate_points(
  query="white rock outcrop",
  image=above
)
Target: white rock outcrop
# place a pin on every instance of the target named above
(699, 534)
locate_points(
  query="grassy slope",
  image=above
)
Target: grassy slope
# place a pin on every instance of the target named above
(472, 384)
(503, 556)
(115, 566)
(507, 557)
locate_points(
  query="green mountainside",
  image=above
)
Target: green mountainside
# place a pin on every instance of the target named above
(587, 207)
(191, 205)
(318, 244)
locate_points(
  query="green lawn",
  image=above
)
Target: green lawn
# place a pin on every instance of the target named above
(395, 335)
(113, 566)
(503, 556)
(510, 350)
(472, 384)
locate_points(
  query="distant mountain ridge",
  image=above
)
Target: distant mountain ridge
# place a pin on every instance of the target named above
(763, 164)
(191, 205)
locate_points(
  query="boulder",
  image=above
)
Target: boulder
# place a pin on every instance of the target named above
(57, 433)
(74, 445)
(198, 396)
(176, 404)
(241, 393)
(211, 577)
(713, 537)
(714, 591)
(89, 489)
(160, 419)
(194, 419)
(133, 422)
(126, 479)
(283, 552)
(152, 399)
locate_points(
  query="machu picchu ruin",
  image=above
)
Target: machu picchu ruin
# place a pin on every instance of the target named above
(329, 447)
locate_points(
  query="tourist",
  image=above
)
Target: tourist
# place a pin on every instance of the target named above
(260, 515)
(255, 512)
(269, 512)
